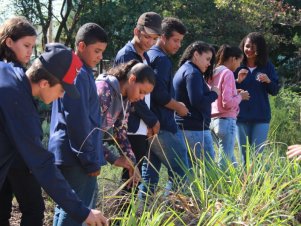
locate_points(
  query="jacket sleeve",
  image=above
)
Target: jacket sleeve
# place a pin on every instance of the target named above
(197, 97)
(79, 125)
(160, 94)
(143, 111)
(23, 128)
(229, 100)
(272, 87)
(104, 96)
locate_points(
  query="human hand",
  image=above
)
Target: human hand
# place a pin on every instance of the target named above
(181, 109)
(134, 173)
(149, 132)
(244, 95)
(94, 174)
(156, 128)
(95, 218)
(261, 77)
(215, 89)
(242, 74)
(293, 151)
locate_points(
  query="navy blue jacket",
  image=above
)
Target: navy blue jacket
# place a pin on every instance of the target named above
(163, 91)
(75, 136)
(257, 108)
(191, 89)
(21, 132)
(139, 109)
(18, 162)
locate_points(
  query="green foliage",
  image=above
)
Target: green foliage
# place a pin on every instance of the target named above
(265, 192)
(285, 125)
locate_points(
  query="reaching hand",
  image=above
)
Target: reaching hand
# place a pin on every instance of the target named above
(96, 218)
(294, 151)
(134, 173)
(156, 128)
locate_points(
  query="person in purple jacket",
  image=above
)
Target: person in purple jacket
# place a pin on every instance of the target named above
(190, 86)
(254, 117)
(20, 128)
(225, 109)
(117, 89)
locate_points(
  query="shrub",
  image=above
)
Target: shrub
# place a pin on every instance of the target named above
(285, 125)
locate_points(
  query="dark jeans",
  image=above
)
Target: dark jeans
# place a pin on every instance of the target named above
(22, 184)
(139, 145)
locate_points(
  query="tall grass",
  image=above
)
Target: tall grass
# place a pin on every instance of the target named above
(266, 192)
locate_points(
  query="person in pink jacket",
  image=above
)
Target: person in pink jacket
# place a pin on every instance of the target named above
(226, 108)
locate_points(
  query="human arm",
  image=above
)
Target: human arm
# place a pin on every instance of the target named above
(228, 88)
(142, 110)
(81, 129)
(270, 80)
(199, 99)
(23, 130)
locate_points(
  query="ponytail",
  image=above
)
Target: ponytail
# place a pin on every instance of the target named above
(225, 52)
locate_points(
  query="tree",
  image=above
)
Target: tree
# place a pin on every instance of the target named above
(41, 13)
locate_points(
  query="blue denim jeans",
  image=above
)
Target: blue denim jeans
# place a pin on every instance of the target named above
(168, 148)
(200, 143)
(256, 133)
(84, 186)
(224, 132)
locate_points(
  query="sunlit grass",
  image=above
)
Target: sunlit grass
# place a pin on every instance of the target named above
(264, 192)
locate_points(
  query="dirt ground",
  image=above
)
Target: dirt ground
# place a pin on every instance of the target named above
(16, 214)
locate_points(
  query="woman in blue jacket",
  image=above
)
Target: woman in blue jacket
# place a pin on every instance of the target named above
(196, 66)
(261, 80)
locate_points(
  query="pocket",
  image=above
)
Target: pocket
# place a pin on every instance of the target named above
(221, 127)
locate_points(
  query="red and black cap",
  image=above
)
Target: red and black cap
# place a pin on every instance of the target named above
(62, 63)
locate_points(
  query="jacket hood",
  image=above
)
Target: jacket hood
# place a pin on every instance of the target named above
(111, 80)
(218, 69)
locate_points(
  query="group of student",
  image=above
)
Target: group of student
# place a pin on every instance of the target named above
(140, 104)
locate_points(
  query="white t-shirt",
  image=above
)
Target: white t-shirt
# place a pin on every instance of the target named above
(142, 129)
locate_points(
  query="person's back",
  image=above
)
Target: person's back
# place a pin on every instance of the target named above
(75, 136)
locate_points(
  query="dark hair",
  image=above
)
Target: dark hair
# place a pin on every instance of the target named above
(171, 24)
(258, 40)
(141, 71)
(36, 72)
(225, 52)
(14, 28)
(200, 47)
(91, 33)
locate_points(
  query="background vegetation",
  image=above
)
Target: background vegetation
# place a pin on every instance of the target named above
(266, 192)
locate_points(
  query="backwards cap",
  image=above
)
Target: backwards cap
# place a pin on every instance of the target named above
(151, 22)
(62, 63)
